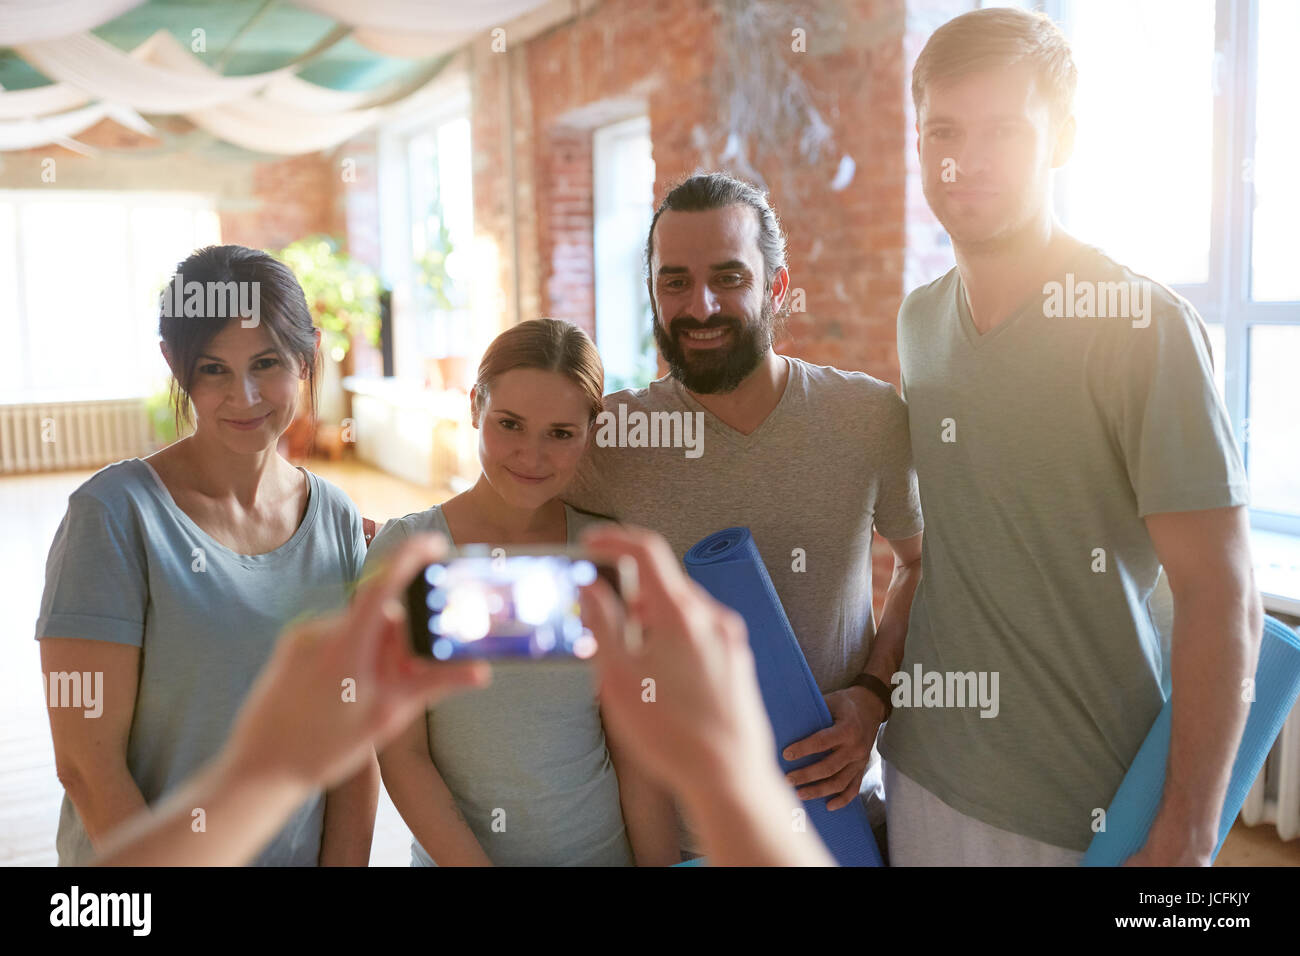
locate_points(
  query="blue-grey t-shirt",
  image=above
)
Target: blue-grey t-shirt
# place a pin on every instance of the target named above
(129, 566)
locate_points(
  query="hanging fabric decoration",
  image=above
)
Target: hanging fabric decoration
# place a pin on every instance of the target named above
(272, 112)
(22, 23)
(101, 69)
(31, 133)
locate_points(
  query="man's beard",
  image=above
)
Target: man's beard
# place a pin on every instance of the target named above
(720, 370)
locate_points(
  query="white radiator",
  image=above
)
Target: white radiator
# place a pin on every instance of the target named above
(1275, 796)
(49, 437)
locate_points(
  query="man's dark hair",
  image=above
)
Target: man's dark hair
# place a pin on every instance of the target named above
(715, 191)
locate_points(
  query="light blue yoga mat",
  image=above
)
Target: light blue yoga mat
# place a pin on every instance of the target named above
(728, 566)
(1133, 810)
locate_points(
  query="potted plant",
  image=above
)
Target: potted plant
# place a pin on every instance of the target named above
(343, 295)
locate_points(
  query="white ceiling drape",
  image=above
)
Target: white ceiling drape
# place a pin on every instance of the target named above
(291, 116)
(273, 112)
(264, 127)
(88, 63)
(31, 133)
(25, 21)
(41, 101)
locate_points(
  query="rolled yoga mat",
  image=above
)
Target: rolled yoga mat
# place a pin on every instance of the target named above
(728, 566)
(1133, 810)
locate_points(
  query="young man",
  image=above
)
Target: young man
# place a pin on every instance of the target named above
(809, 458)
(1069, 441)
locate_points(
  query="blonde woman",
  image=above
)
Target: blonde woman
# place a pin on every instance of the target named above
(523, 773)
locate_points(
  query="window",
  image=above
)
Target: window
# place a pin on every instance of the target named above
(623, 202)
(1184, 170)
(442, 228)
(427, 212)
(1145, 113)
(80, 275)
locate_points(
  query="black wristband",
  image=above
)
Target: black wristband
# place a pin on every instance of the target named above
(878, 687)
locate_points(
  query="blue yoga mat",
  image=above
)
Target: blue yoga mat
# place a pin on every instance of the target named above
(1133, 810)
(728, 566)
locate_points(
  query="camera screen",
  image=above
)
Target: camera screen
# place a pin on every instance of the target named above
(522, 606)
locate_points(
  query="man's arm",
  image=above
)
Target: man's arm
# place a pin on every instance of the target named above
(856, 711)
(886, 655)
(1218, 621)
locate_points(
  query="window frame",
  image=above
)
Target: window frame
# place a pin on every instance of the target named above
(1225, 298)
(449, 99)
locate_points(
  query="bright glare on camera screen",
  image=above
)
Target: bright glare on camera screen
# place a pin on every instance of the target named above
(524, 606)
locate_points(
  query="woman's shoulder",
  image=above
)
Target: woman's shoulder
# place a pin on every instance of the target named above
(396, 530)
(332, 496)
(418, 522)
(119, 486)
(117, 505)
(579, 520)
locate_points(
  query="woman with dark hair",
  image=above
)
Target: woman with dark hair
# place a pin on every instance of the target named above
(170, 577)
(523, 773)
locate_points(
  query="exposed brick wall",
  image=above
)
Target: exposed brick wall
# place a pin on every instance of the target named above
(352, 215)
(847, 211)
(564, 226)
(929, 251)
(618, 60)
(504, 205)
(290, 199)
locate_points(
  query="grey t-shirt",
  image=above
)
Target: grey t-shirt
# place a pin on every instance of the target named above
(1040, 446)
(525, 757)
(128, 566)
(828, 464)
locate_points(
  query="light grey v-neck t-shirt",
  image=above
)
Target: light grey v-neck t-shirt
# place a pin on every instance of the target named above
(128, 566)
(525, 757)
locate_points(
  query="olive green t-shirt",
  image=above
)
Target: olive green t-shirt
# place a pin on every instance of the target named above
(1040, 446)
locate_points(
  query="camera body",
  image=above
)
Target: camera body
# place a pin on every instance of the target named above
(520, 604)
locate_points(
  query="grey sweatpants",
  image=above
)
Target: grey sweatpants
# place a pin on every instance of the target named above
(925, 831)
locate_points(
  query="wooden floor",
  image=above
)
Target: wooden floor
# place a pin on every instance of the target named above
(30, 510)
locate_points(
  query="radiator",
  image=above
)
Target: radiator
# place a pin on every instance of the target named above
(50, 437)
(1275, 797)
